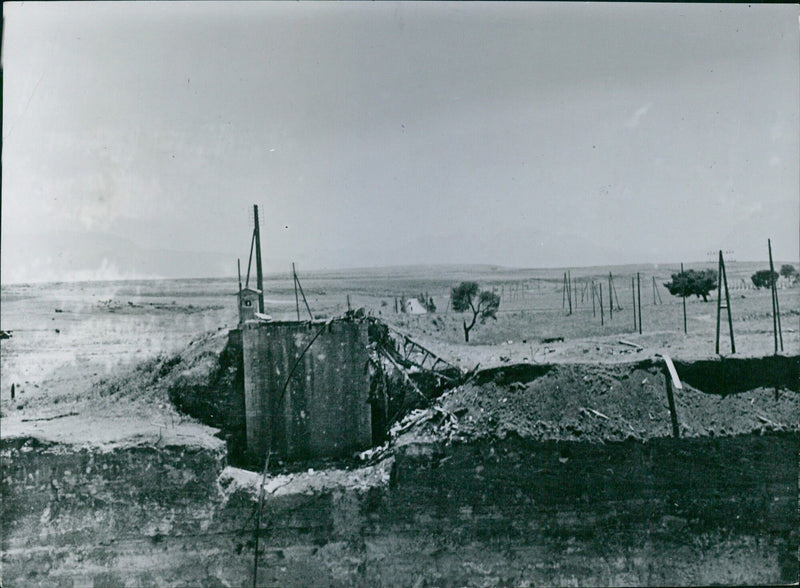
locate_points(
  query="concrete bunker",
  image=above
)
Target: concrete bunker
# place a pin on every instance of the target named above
(311, 389)
(306, 388)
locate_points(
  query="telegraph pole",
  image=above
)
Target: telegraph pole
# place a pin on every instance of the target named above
(722, 280)
(684, 306)
(259, 275)
(776, 309)
(639, 298)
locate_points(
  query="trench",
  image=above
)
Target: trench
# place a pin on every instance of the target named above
(521, 508)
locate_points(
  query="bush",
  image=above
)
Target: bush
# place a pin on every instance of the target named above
(764, 278)
(789, 272)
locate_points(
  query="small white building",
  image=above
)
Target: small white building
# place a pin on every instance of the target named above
(248, 304)
(414, 306)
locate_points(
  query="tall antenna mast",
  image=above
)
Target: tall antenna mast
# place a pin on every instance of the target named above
(259, 276)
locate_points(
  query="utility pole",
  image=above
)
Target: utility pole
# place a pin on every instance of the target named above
(656, 294)
(776, 309)
(259, 275)
(639, 298)
(239, 296)
(568, 280)
(575, 289)
(602, 322)
(654, 290)
(684, 306)
(296, 299)
(722, 279)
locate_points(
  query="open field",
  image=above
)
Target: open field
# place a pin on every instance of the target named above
(103, 325)
(67, 337)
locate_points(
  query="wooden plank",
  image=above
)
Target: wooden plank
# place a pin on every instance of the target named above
(629, 344)
(676, 381)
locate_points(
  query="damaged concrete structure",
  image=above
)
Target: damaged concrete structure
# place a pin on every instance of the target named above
(305, 400)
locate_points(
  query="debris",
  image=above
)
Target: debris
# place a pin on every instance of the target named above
(764, 419)
(471, 374)
(629, 344)
(552, 340)
(52, 418)
(596, 413)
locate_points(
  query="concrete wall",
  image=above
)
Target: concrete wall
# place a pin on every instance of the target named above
(325, 411)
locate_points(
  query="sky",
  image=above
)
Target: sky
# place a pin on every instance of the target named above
(137, 136)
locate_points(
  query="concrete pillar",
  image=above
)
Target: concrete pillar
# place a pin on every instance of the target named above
(254, 350)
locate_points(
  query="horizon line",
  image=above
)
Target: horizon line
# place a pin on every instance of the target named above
(276, 274)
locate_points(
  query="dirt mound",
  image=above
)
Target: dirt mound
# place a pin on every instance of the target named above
(204, 381)
(598, 404)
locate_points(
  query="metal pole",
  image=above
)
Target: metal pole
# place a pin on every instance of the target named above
(239, 296)
(719, 297)
(296, 299)
(654, 290)
(728, 304)
(250, 260)
(594, 312)
(639, 297)
(776, 309)
(684, 306)
(610, 300)
(601, 305)
(575, 291)
(633, 304)
(569, 291)
(303, 296)
(259, 275)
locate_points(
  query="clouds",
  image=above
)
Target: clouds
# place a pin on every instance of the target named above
(358, 124)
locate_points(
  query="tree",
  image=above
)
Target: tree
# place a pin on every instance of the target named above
(692, 283)
(764, 278)
(484, 304)
(789, 272)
